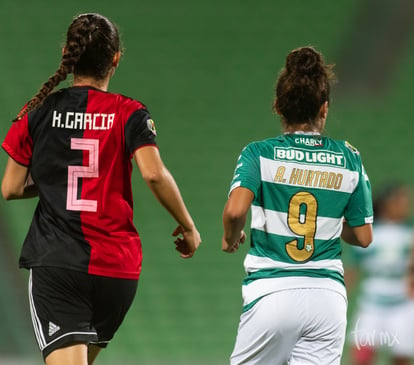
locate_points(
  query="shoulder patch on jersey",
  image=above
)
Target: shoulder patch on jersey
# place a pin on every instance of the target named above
(151, 126)
(351, 147)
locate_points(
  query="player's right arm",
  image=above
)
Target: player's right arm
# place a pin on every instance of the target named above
(17, 183)
(244, 188)
(18, 144)
(234, 218)
(163, 186)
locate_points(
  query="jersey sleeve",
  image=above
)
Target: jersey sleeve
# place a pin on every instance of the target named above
(139, 131)
(359, 210)
(18, 143)
(247, 172)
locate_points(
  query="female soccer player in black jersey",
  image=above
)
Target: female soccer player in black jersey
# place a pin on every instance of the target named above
(73, 149)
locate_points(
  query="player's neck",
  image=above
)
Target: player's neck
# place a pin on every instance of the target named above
(315, 127)
(90, 81)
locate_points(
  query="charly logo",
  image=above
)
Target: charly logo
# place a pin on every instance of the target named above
(309, 141)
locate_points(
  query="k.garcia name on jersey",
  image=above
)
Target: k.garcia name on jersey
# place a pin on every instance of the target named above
(83, 121)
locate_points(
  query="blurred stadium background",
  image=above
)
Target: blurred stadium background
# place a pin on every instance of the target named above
(206, 70)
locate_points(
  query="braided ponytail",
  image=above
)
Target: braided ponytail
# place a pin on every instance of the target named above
(44, 91)
(86, 31)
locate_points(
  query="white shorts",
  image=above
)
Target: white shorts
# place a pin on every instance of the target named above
(386, 326)
(297, 326)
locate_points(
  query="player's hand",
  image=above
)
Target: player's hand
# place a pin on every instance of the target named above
(187, 241)
(231, 247)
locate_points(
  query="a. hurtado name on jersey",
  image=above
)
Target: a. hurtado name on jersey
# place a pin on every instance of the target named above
(308, 175)
(319, 157)
(310, 178)
(84, 121)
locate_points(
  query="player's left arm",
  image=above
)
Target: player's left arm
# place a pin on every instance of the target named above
(357, 225)
(358, 236)
(163, 186)
(234, 218)
(17, 182)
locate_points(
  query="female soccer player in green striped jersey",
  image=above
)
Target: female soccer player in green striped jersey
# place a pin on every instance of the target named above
(306, 192)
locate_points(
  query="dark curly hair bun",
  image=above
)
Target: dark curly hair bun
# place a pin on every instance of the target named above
(305, 61)
(303, 86)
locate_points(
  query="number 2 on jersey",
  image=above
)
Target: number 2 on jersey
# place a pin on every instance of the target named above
(77, 172)
(302, 214)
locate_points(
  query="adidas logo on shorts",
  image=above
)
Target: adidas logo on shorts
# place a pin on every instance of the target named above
(53, 328)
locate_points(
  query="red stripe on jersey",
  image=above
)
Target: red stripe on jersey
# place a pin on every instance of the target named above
(107, 217)
(19, 148)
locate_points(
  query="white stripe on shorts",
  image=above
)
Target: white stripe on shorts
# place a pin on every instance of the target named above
(37, 325)
(69, 334)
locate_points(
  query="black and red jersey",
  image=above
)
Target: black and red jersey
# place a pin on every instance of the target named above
(78, 145)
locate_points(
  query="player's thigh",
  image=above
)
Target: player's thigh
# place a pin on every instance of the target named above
(93, 352)
(399, 333)
(268, 331)
(323, 333)
(112, 298)
(61, 308)
(369, 320)
(69, 355)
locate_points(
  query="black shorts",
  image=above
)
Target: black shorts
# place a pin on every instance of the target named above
(70, 307)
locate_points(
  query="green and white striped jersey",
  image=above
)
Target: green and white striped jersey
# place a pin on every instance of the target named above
(304, 185)
(384, 264)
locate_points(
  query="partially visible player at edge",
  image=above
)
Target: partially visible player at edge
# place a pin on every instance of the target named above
(383, 318)
(73, 148)
(306, 191)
